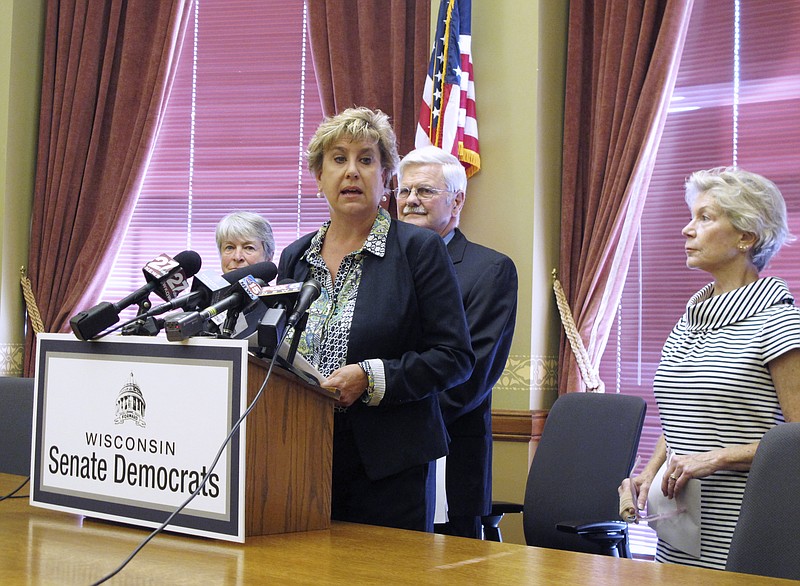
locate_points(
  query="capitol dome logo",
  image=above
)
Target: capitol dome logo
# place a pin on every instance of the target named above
(130, 404)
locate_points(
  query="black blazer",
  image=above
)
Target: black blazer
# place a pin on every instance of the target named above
(409, 314)
(488, 282)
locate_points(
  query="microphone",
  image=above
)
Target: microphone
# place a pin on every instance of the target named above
(249, 302)
(283, 294)
(188, 324)
(168, 277)
(193, 299)
(164, 275)
(308, 294)
(273, 323)
(207, 287)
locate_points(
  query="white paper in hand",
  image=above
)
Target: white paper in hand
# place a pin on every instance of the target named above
(680, 530)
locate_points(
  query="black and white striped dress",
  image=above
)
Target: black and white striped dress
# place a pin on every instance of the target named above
(714, 390)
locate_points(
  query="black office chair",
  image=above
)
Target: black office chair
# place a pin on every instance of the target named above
(588, 447)
(16, 405)
(765, 541)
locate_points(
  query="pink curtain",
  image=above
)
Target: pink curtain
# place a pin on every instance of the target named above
(622, 62)
(108, 69)
(372, 53)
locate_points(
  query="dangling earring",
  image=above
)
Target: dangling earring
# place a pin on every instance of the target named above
(319, 194)
(385, 197)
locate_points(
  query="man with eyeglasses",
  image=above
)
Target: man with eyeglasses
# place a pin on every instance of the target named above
(431, 193)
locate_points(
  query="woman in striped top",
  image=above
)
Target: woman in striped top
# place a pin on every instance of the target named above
(730, 368)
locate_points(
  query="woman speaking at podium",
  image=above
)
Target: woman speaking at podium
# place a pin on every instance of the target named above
(388, 330)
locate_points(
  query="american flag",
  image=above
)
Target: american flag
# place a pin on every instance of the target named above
(447, 114)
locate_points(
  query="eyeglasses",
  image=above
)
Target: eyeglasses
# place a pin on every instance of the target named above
(423, 193)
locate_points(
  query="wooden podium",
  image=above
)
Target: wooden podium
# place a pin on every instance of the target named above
(289, 453)
(125, 429)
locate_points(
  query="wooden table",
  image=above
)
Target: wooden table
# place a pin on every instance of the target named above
(39, 546)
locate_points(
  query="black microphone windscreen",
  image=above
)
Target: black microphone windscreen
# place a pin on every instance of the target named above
(166, 276)
(308, 294)
(266, 271)
(236, 274)
(190, 261)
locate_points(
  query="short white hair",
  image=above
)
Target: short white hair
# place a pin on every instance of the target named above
(243, 225)
(751, 202)
(455, 177)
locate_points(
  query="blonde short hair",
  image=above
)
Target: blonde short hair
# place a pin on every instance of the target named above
(357, 124)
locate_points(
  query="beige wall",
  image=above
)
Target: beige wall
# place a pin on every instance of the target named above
(21, 26)
(513, 203)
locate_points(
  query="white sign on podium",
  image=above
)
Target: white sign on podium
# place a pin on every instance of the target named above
(125, 428)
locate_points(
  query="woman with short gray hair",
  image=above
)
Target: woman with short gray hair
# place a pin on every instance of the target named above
(244, 238)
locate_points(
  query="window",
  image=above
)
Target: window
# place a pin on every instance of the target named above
(242, 109)
(736, 102)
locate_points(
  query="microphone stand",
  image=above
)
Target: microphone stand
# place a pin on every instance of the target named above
(298, 329)
(229, 326)
(143, 327)
(146, 327)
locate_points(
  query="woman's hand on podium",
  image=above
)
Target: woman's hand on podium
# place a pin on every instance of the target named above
(350, 380)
